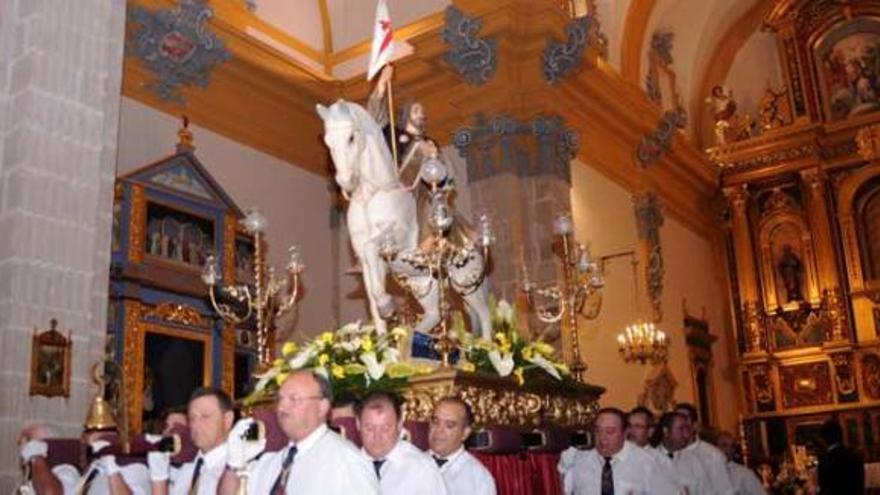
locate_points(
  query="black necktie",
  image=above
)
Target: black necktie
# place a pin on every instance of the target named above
(377, 465)
(440, 461)
(669, 454)
(607, 479)
(281, 480)
(88, 482)
(194, 484)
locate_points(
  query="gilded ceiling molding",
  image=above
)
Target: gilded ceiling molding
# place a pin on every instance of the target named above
(474, 58)
(720, 61)
(633, 39)
(655, 144)
(176, 46)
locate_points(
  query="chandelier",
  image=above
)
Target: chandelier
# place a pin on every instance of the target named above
(642, 342)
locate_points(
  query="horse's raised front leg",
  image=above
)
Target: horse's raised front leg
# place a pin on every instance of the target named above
(478, 309)
(430, 303)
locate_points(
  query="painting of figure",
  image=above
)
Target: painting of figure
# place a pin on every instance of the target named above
(850, 70)
(178, 236)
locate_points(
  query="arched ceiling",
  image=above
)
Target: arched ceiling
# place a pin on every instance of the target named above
(332, 36)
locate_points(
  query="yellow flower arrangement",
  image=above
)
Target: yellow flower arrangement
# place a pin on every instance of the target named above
(506, 353)
(355, 359)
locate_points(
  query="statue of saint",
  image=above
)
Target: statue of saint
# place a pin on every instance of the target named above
(791, 270)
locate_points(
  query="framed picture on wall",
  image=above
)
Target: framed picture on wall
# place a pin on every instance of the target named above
(177, 236)
(50, 363)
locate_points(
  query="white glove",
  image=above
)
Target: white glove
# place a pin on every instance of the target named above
(240, 451)
(159, 462)
(33, 448)
(106, 465)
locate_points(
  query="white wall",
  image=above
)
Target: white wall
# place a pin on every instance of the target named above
(604, 216)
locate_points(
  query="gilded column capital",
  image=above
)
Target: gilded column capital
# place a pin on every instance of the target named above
(814, 179)
(737, 196)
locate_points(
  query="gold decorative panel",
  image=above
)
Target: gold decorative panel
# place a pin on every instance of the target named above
(806, 385)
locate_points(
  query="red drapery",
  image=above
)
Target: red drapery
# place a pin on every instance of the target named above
(532, 473)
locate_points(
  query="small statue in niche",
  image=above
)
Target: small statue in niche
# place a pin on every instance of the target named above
(729, 125)
(791, 270)
(772, 108)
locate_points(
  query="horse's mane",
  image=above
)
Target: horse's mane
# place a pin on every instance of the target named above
(363, 121)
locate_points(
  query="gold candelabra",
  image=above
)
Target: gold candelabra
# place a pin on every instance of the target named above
(562, 302)
(266, 299)
(441, 253)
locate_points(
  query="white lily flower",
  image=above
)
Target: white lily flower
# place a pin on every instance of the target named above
(391, 355)
(375, 369)
(301, 358)
(351, 345)
(349, 328)
(505, 312)
(503, 365)
(545, 365)
(265, 378)
(322, 371)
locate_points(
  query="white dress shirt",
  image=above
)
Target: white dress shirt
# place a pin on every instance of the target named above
(136, 477)
(407, 471)
(325, 464)
(465, 475)
(684, 467)
(745, 481)
(633, 470)
(715, 463)
(213, 466)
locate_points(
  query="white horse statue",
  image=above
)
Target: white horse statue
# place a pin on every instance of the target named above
(382, 210)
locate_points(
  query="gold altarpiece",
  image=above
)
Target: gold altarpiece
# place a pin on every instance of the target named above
(802, 218)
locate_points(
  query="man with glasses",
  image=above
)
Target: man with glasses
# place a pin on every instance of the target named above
(400, 466)
(316, 461)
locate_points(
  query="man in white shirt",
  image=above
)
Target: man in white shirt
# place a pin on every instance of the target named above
(210, 416)
(614, 465)
(713, 460)
(639, 426)
(400, 467)
(682, 465)
(450, 426)
(317, 461)
(102, 476)
(745, 481)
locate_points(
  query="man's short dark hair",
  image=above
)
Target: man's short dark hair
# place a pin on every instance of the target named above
(222, 397)
(468, 412)
(613, 411)
(664, 424)
(831, 432)
(688, 409)
(641, 410)
(379, 400)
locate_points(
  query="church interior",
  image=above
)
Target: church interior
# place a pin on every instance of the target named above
(680, 197)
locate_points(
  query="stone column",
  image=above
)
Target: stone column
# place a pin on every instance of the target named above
(60, 79)
(745, 268)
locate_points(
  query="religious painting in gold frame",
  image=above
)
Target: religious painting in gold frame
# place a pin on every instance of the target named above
(50, 362)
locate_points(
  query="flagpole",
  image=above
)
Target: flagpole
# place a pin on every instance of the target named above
(392, 123)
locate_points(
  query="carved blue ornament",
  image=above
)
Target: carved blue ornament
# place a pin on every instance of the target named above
(655, 144)
(176, 45)
(494, 146)
(474, 58)
(562, 58)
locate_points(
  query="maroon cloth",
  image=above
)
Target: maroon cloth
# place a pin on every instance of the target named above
(531, 473)
(276, 439)
(418, 433)
(64, 451)
(347, 427)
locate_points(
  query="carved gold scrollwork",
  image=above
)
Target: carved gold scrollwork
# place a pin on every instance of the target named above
(762, 384)
(133, 364)
(137, 223)
(498, 406)
(177, 313)
(844, 377)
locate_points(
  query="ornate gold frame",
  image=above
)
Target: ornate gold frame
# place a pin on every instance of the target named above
(57, 380)
(768, 271)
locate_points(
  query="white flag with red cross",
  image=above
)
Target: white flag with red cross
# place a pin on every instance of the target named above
(383, 40)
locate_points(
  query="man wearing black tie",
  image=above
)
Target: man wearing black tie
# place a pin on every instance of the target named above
(615, 465)
(401, 468)
(317, 461)
(450, 426)
(210, 417)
